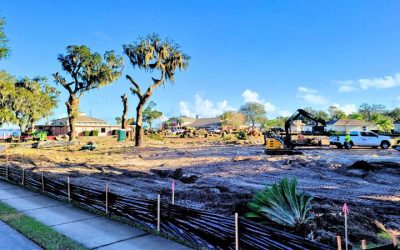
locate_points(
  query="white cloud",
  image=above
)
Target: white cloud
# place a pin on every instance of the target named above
(347, 88)
(307, 90)
(252, 96)
(367, 83)
(314, 99)
(184, 109)
(347, 108)
(310, 96)
(204, 107)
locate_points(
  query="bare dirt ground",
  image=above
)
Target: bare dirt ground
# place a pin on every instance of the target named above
(222, 176)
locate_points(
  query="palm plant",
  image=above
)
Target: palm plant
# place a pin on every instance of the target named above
(281, 203)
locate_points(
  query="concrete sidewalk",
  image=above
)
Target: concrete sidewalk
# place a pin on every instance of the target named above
(92, 231)
(12, 240)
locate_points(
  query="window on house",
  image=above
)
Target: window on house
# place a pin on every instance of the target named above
(364, 128)
(103, 130)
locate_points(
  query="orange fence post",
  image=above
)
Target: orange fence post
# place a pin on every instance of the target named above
(339, 242)
(363, 244)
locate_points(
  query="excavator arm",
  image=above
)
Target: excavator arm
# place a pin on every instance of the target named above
(295, 116)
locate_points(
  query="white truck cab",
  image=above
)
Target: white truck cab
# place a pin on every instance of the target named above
(362, 139)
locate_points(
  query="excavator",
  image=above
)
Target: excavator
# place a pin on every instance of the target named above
(276, 145)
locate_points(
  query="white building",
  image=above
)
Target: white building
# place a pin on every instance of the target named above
(346, 125)
(297, 126)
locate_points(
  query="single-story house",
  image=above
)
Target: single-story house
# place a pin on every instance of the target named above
(173, 123)
(82, 123)
(297, 126)
(396, 125)
(346, 125)
(206, 123)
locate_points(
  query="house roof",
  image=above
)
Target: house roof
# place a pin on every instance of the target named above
(184, 119)
(82, 118)
(331, 122)
(204, 122)
(298, 123)
(351, 122)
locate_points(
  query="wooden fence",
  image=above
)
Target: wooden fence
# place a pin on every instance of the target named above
(201, 229)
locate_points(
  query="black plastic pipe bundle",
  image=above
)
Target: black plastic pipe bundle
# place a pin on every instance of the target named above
(199, 228)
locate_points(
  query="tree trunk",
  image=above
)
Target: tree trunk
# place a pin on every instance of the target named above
(72, 108)
(21, 127)
(139, 120)
(32, 127)
(125, 111)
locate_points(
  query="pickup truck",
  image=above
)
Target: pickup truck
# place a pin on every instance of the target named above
(362, 139)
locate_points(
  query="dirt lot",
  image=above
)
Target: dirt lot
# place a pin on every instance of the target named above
(222, 176)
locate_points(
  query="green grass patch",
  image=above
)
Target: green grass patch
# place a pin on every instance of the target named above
(44, 236)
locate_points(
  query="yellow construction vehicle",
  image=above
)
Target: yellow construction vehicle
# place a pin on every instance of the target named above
(275, 145)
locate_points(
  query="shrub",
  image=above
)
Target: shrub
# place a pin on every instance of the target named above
(87, 133)
(242, 135)
(95, 133)
(156, 136)
(228, 137)
(282, 204)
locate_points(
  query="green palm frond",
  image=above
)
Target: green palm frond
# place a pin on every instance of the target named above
(281, 203)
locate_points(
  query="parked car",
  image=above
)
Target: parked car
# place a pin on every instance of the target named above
(215, 131)
(362, 139)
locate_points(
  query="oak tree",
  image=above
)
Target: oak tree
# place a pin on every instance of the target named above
(34, 100)
(7, 95)
(153, 54)
(87, 71)
(150, 114)
(254, 112)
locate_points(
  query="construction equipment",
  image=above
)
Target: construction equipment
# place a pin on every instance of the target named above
(275, 145)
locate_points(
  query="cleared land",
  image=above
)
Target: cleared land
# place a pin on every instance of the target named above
(222, 175)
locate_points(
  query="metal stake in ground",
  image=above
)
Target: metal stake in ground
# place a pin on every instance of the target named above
(236, 231)
(69, 189)
(23, 177)
(346, 211)
(106, 197)
(158, 212)
(7, 168)
(173, 192)
(42, 182)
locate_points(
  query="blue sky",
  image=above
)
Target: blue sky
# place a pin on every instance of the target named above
(285, 54)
